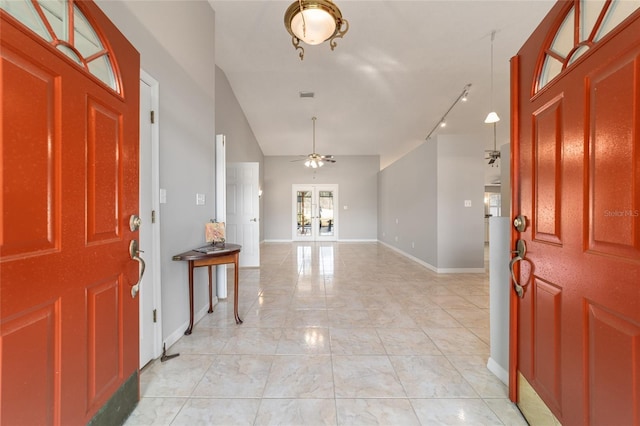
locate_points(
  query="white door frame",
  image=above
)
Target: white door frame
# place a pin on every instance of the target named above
(153, 252)
(221, 207)
(315, 188)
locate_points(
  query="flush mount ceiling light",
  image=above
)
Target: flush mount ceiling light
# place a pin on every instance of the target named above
(492, 117)
(314, 22)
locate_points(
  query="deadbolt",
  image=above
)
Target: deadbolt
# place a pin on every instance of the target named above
(134, 222)
(520, 223)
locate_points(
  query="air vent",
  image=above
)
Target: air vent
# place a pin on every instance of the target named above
(307, 94)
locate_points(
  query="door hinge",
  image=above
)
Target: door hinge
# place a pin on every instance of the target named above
(153, 216)
(153, 117)
(155, 315)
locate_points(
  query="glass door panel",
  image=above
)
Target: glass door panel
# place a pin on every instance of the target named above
(303, 213)
(325, 205)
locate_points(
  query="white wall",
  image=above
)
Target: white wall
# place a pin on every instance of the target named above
(357, 180)
(241, 143)
(407, 193)
(460, 228)
(176, 44)
(422, 211)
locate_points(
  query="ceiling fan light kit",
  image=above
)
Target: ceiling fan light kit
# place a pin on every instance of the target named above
(314, 22)
(315, 160)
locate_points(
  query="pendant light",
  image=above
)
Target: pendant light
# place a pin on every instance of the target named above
(492, 117)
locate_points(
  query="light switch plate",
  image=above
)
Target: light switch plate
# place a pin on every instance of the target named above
(200, 200)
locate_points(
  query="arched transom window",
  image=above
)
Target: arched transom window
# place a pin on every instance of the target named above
(585, 24)
(62, 24)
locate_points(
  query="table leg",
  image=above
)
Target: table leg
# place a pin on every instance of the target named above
(210, 293)
(188, 331)
(235, 291)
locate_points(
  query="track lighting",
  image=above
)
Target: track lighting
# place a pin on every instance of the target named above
(443, 121)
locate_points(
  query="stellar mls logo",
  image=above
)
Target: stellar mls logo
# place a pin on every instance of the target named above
(621, 213)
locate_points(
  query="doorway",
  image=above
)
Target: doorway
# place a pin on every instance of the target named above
(150, 288)
(315, 213)
(243, 210)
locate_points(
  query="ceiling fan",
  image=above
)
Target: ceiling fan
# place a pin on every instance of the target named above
(494, 154)
(315, 160)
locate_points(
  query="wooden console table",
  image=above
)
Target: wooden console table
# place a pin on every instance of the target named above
(228, 253)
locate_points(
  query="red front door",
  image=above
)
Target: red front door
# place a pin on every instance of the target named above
(69, 149)
(577, 182)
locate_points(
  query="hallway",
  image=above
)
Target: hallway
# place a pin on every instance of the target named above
(335, 334)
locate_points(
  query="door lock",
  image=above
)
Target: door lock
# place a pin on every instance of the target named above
(520, 223)
(134, 222)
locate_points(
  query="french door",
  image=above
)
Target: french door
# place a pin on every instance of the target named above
(315, 212)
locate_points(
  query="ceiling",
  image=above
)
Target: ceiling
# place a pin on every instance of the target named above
(388, 82)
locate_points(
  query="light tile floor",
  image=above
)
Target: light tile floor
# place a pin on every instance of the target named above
(335, 334)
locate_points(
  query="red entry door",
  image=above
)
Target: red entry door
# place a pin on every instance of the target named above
(577, 182)
(69, 150)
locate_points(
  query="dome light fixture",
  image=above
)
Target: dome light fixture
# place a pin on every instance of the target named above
(314, 22)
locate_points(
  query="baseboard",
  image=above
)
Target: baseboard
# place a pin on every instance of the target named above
(434, 268)
(179, 332)
(498, 371)
(405, 254)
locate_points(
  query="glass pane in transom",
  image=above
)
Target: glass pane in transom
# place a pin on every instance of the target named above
(56, 13)
(618, 12)
(101, 68)
(24, 12)
(85, 38)
(563, 42)
(590, 10)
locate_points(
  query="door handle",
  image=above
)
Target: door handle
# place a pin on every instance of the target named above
(520, 252)
(255, 219)
(134, 253)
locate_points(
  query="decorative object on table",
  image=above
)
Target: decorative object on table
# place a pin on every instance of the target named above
(214, 233)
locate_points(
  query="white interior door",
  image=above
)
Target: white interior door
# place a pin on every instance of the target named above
(243, 211)
(150, 328)
(315, 212)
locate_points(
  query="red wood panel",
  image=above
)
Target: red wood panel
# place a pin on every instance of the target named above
(104, 333)
(614, 148)
(34, 188)
(547, 325)
(104, 168)
(613, 340)
(547, 171)
(36, 379)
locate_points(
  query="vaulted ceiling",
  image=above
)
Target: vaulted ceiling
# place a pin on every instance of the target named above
(388, 82)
